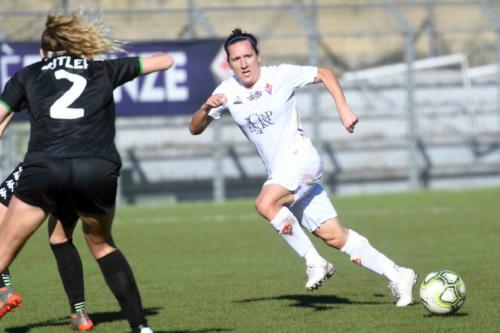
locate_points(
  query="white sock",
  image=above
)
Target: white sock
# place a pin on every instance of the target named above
(291, 231)
(312, 256)
(362, 253)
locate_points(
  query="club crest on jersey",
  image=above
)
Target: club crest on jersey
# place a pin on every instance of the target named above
(269, 88)
(257, 122)
(254, 95)
(238, 100)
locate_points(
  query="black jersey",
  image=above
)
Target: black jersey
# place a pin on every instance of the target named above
(71, 106)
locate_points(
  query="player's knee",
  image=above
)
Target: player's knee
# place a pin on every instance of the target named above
(341, 235)
(264, 207)
(99, 247)
(56, 238)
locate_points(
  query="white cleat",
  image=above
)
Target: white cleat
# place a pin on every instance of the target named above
(318, 274)
(402, 289)
(142, 329)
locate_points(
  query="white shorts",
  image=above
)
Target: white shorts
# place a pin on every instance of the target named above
(298, 174)
(314, 208)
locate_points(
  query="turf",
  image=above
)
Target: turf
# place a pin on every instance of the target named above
(219, 268)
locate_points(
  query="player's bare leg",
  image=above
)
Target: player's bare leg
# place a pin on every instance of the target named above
(115, 268)
(20, 221)
(6, 287)
(361, 252)
(272, 204)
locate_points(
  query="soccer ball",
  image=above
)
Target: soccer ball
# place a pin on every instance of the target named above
(442, 292)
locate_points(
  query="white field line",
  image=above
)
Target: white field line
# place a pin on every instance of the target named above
(201, 219)
(364, 212)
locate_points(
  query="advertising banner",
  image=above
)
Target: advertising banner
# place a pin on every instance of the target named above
(179, 91)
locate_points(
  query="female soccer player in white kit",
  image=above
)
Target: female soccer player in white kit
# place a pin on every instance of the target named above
(261, 100)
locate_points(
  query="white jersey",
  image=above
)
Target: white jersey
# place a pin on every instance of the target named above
(267, 112)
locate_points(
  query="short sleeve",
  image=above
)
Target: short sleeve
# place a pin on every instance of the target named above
(14, 94)
(299, 76)
(216, 113)
(122, 70)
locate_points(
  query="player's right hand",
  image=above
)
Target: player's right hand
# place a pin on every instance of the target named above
(215, 101)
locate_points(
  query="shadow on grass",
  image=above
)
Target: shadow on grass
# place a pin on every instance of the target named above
(315, 302)
(104, 317)
(205, 330)
(452, 315)
(97, 318)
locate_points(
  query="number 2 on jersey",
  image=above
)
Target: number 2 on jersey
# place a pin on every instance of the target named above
(60, 109)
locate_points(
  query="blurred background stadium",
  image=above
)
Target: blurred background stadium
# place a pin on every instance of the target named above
(421, 75)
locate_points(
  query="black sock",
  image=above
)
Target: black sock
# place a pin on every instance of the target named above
(121, 281)
(71, 272)
(5, 278)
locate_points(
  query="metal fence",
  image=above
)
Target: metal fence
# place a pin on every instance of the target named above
(422, 76)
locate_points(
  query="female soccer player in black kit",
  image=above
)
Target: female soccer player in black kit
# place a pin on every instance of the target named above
(66, 254)
(71, 152)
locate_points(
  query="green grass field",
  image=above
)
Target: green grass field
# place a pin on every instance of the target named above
(220, 268)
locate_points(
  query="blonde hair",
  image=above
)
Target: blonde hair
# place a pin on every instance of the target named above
(74, 35)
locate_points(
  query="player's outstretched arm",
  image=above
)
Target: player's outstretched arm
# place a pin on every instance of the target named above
(329, 80)
(6, 120)
(156, 62)
(201, 119)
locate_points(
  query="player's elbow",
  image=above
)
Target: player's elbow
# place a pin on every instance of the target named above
(195, 130)
(199, 122)
(157, 62)
(165, 61)
(324, 74)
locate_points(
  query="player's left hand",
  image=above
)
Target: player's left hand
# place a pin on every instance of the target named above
(349, 120)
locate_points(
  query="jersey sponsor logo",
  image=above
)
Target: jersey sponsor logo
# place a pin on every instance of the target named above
(257, 122)
(269, 88)
(254, 95)
(238, 100)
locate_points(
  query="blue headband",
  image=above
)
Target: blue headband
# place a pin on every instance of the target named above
(239, 38)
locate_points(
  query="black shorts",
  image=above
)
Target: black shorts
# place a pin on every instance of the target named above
(87, 184)
(9, 185)
(66, 213)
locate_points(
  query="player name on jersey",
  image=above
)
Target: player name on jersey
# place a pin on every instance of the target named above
(66, 62)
